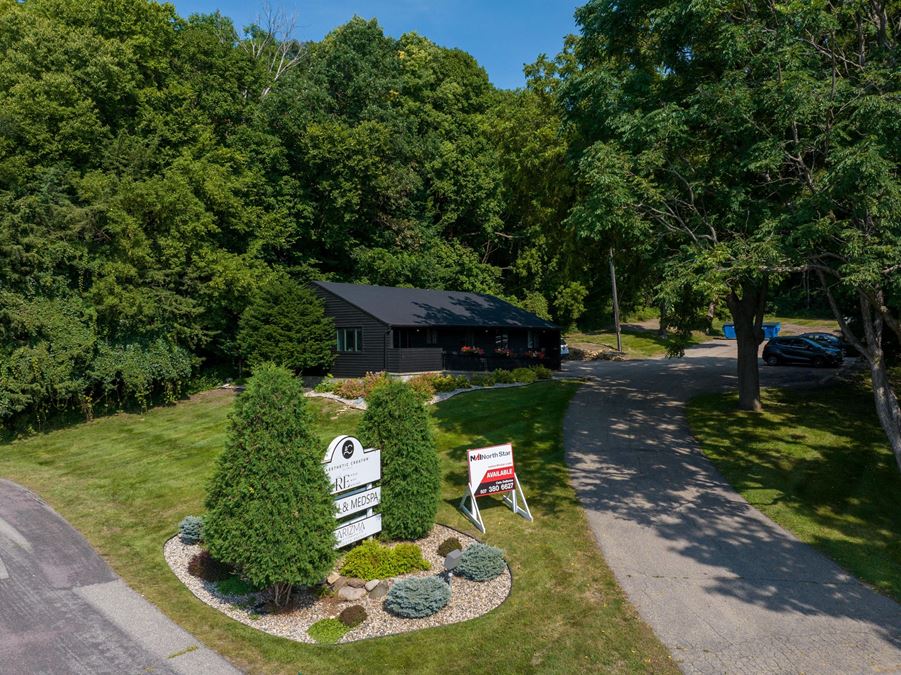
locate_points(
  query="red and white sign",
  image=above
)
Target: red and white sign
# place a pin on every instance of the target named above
(491, 470)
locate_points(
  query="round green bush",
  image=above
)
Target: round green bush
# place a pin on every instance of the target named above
(524, 375)
(481, 562)
(190, 529)
(397, 422)
(269, 508)
(448, 545)
(417, 597)
(352, 616)
(502, 376)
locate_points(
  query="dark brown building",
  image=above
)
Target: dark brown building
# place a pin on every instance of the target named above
(410, 330)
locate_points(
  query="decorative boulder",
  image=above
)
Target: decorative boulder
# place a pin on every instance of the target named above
(452, 560)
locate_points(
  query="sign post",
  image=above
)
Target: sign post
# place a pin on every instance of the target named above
(353, 471)
(491, 472)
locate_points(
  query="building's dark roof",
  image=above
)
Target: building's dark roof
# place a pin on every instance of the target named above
(420, 307)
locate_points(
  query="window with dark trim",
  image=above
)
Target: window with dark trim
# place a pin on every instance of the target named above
(350, 339)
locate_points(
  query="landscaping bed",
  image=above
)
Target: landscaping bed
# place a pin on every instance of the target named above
(468, 600)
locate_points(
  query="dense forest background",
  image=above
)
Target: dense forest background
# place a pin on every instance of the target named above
(156, 170)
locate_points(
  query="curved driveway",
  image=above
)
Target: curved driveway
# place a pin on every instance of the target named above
(725, 588)
(63, 610)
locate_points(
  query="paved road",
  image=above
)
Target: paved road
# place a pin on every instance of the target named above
(63, 610)
(725, 589)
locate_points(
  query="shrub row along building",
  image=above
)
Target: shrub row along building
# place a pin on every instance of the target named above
(409, 330)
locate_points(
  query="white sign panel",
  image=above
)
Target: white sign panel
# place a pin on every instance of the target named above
(348, 465)
(358, 529)
(360, 501)
(352, 472)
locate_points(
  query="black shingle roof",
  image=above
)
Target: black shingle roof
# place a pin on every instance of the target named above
(421, 307)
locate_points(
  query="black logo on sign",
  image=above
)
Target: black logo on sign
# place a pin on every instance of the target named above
(347, 449)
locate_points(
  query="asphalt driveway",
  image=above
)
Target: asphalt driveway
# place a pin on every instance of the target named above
(726, 589)
(63, 610)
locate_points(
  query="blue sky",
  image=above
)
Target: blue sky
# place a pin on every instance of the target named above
(501, 34)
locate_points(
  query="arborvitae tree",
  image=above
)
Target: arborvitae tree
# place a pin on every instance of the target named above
(286, 324)
(270, 512)
(397, 422)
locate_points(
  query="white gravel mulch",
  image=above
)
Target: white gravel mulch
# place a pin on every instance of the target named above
(469, 599)
(360, 404)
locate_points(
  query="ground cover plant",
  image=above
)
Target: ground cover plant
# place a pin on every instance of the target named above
(817, 463)
(124, 481)
(374, 560)
(328, 631)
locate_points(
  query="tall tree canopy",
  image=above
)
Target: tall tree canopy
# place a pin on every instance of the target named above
(156, 171)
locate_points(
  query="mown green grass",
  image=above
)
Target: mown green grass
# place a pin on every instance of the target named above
(637, 344)
(126, 481)
(817, 463)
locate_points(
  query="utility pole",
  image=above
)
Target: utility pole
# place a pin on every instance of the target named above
(619, 330)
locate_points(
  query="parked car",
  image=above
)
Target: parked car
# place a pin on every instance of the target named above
(797, 349)
(564, 348)
(829, 340)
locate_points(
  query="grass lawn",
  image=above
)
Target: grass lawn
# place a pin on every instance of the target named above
(817, 463)
(126, 481)
(637, 344)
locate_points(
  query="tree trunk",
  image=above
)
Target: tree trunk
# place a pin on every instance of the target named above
(873, 316)
(887, 408)
(619, 330)
(747, 315)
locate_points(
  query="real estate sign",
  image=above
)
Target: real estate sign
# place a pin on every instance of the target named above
(492, 472)
(353, 472)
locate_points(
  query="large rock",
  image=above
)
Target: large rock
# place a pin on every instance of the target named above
(332, 578)
(380, 591)
(356, 583)
(372, 584)
(351, 594)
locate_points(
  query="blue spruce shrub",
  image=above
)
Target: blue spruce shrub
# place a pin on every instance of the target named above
(191, 529)
(417, 597)
(481, 562)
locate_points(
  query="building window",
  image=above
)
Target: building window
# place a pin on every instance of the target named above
(501, 340)
(431, 336)
(532, 340)
(350, 339)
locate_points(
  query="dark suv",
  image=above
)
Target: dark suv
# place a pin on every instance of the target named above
(828, 340)
(781, 350)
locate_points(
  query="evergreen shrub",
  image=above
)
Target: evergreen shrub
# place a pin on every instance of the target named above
(502, 376)
(352, 616)
(417, 597)
(481, 562)
(397, 422)
(448, 545)
(204, 566)
(286, 324)
(190, 529)
(269, 508)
